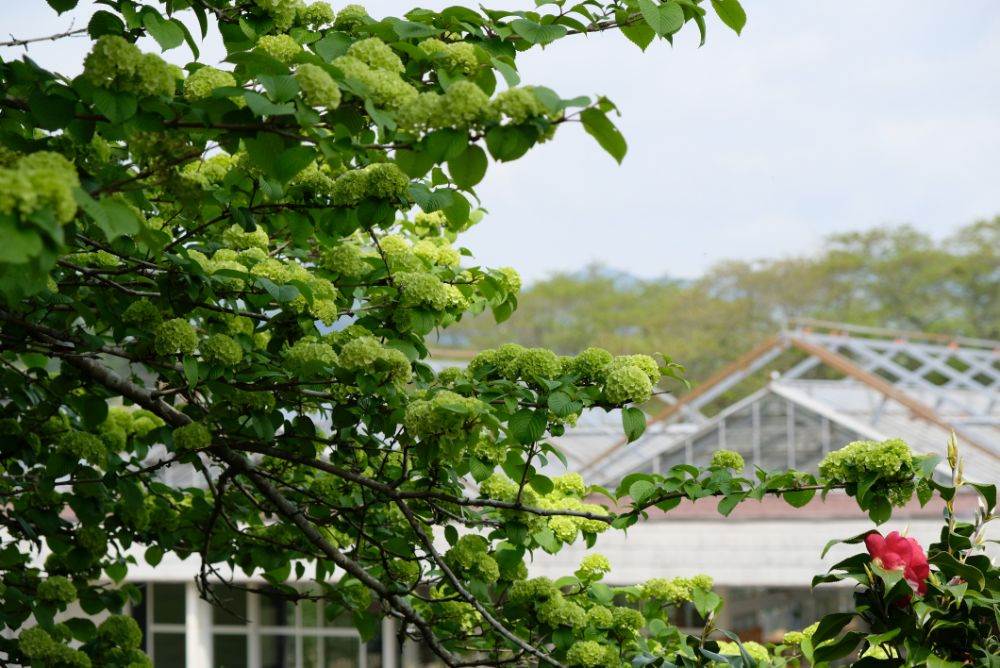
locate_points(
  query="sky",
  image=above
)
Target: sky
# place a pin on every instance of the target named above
(823, 117)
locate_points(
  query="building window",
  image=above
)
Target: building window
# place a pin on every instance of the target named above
(265, 631)
(161, 616)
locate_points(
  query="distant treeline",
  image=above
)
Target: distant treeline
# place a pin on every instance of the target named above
(895, 277)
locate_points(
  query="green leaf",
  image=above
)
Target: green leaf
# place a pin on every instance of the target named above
(413, 30)
(853, 540)
(705, 601)
(19, 244)
(952, 567)
(118, 107)
(261, 106)
(536, 33)
(641, 490)
(52, 112)
(280, 293)
(114, 218)
(104, 23)
(154, 554)
(729, 502)
(82, 628)
(190, 365)
(665, 19)
(639, 34)
(62, 5)
(799, 498)
(633, 422)
(989, 494)
(541, 484)
(469, 167)
(562, 405)
(838, 649)
(527, 426)
(334, 44)
(880, 510)
(279, 87)
(116, 570)
(831, 626)
(510, 142)
(168, 34)
(600, 128)
(731, 13)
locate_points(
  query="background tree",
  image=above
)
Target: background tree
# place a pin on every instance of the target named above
(887, 277)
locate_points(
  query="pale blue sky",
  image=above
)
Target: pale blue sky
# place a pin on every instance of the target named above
(823, 117)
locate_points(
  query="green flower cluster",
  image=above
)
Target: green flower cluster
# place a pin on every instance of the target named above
(460, 56)
(677, 590)
(350, 17)
(99, 258)
(382, 180)
(143, 314)
(594, 566)
(570, 484)
(317, 86)
(124, 422)
(422, 289)
(855, 461)
(375, 65)
(280, 47)
(39, 181)
(309, 353)
(193, 436)
(376, 54)
(116, 63)
(204, 80)
(518, 104)
(36, 644)
(627, 384)
(470, 557)
(513, 361)
(345, 259)
(437, 251)
(366, 354)
(559, 611)
(56, 589)
(175, 336)
(446, 414)
(237, 238)
(317, 14)
(728, 459)
(210, 172)
(590, 364)
(756, 651)
(591, 654)
(463, 105)
(796, 637)
(83, 445)
(222, 350)
(282, 12)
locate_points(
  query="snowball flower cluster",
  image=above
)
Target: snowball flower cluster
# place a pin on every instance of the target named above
(518, 104)
(382, 180)
(116, 63)
(729, 459)
(318, 87)
(280, 47)
(204, 80)
(175, 336)
(38, 181)
(193, 436)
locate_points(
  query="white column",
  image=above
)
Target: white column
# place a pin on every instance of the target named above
(197, 628)
(390, 652)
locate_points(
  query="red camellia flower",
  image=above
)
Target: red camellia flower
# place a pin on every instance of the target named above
(896, 553)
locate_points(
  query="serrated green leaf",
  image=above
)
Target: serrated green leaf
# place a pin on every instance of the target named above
(536, 33)
(731, 13)
(633, 422)
(665, 19)
(469, 167)
(527, 426)
(799, 498)
(604, 131)
(167, 33)
(114, 218)
(641, 490)
(117, 106)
